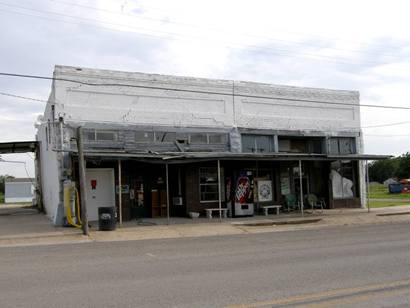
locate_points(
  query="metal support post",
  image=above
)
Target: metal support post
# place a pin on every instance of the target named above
(167, 183)
(219, 191)
(120, 192)
(301, 186)
(367, 187)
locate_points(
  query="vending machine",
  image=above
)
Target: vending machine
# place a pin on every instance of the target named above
(243, 194)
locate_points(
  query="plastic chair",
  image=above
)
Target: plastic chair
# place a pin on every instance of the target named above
(291, 202)
(315, 203)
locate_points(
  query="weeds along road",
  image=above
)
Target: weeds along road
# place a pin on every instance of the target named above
(333, 267)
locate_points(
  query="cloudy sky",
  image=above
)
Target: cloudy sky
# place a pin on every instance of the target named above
(354, 45)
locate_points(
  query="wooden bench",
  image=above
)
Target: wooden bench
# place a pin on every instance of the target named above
(267, 207)
(209, 212)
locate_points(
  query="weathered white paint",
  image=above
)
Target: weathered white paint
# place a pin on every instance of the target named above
(50, 171)
(237, 104)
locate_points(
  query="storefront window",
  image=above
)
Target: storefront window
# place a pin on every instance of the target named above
(342, 177)
(208, 184)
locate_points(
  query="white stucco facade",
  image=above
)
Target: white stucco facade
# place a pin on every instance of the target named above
(114, 99)
(147, 99)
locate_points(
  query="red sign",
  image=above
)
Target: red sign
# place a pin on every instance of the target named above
(93, 184)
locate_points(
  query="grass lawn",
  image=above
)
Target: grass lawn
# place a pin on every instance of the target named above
(374, 204)
(379, 191)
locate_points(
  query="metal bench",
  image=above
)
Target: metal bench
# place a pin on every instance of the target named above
(267, 207)
(209, 212)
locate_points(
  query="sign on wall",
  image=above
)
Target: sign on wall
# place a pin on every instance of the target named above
(264, 191)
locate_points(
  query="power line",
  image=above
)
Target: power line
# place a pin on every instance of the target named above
(23, 97)
(347, 128)
(385, 136)
(211, 28)
(276, 51)
(390, 124)
(207, 92)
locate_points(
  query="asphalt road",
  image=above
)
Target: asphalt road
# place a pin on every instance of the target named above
(364, 266)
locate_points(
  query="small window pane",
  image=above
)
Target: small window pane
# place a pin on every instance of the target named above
(106, 136)
(165, 137)
(208, 175)
(345, 146)
(144, 136)
(89, 135)
(198, 139)
(263, 144)
(218, 138)
(248, 144)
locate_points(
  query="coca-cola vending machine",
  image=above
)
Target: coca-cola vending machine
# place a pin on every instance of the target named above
(243, 194)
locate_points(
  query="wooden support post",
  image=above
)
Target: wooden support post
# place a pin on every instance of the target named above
(301, 186)
(167, 183)
(219, 191)
(81, 172)
(119, 192)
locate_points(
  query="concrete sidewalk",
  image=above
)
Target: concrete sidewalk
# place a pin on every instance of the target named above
(24, 227)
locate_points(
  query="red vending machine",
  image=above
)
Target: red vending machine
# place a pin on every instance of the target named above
(243, 194)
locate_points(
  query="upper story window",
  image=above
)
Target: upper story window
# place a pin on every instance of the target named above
(342, 145)
(217, 138)
(301, 144)
(198, 138)
(100, 135)
(167, 137)
(144, 137)
(257, 144)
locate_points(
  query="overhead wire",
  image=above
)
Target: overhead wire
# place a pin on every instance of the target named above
(24, 97)
(176, 36)
(209, 92)
(198, 91)
(213, 28)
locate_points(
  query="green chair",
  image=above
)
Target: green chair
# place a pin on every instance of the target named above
(291, 202)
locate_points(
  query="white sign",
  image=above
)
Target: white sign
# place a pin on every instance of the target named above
(264, 191)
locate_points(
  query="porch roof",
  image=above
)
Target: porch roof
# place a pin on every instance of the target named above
(180, 157)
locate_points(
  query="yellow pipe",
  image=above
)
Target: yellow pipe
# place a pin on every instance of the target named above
(67, 195)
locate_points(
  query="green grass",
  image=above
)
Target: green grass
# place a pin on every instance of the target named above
(1, 197)
(374, 204)
(379, 191)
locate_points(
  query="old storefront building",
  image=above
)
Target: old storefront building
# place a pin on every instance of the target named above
(158, 146)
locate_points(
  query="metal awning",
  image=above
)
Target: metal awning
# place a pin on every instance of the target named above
(180, 157)
(17, 147)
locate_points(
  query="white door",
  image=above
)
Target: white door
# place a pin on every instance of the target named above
(100, 188)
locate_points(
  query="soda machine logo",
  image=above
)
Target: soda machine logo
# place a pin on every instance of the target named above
(243, 189)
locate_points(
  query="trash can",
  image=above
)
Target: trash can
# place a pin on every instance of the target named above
(106, 218)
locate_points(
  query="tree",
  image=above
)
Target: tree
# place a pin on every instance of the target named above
(381, 170)
(3, 179)
(403, 171)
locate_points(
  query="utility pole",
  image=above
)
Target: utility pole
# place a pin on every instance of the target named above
(83, 191)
